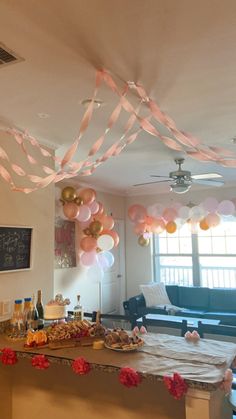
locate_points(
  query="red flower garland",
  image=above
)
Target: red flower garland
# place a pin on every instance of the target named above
(8, 356)
(129, 377)
(176, 385)
(40, 362)
(81, 366)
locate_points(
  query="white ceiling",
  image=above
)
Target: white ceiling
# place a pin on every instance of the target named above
(182, 52)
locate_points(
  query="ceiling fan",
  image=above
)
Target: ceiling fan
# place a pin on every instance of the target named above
(181, 180)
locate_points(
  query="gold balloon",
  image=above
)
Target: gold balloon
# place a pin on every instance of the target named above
(96, 227)
(143, 242)
(78, 200)
(68, 194)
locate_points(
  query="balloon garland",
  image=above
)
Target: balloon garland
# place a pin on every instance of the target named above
(156, 218)
(98, 234)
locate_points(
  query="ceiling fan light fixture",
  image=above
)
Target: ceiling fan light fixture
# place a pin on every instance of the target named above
(180, 187)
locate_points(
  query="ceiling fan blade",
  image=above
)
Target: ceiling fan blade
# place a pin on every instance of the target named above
(167, 177)
(209, 182)
(150, 183)
(206, 176)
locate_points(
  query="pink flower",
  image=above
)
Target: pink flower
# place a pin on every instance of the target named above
(81, 366)
(192, 336)
(226, 384)
(8, 356)
(176, 385)
(40, 362)
(129, 377)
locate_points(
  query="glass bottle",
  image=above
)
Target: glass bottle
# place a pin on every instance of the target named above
(39, 307)
(78, 310)
(17, 326)
(34, 316)
(27, 313)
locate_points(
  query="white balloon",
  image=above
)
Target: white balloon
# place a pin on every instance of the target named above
(105, 242)
(155, 210)
(184, 212)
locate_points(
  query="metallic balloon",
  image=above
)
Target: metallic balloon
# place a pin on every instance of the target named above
(143, 242)
(68, 194)
(96, 227)
(78, 200)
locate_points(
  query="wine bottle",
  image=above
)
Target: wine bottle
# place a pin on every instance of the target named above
(39, 306)
(34, 316)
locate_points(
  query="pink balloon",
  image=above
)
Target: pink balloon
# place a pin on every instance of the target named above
(71, 210)
(226, 208)
(169, 214)
(84, 213)
(212, 219)
(137, 213)
(84, 224)
(140, 228)
(94, 207)
(158, 226)
(100, 209)
(88, 258)
(210, 204)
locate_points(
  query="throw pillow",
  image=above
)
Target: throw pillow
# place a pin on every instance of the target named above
(155, 294)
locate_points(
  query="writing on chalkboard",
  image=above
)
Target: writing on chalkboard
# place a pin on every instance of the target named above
(15, 248)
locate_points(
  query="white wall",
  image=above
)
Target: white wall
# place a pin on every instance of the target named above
(139, 259)
(35, 210)
(86, 281)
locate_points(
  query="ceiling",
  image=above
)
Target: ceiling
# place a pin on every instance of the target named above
(182, 52)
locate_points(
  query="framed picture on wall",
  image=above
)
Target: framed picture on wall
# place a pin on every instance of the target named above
(15, 248)
(65, 256)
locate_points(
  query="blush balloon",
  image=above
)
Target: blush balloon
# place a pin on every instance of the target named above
(84, 213)
(88, 195)
(94, 207)
(71, 210)
(88, 244)
(108, 222)
(140, 228)
(169, 214)
(88, 258)
(137, 213)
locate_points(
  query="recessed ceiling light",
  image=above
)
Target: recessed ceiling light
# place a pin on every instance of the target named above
(43, 115)
(97, 103)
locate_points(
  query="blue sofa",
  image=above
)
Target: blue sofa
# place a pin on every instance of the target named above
(215, 303)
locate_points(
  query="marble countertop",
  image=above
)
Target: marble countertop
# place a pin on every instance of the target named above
(202, 365)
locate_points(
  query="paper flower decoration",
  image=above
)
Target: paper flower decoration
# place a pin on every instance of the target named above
(129, 377)
(40, 362)
(81, 366)
(176, 385)
(8, 356)
(226, 384)
(192, 336)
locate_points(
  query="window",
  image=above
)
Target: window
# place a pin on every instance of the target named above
(206, 259)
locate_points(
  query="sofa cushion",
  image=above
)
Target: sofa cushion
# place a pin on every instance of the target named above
(173, 294)
(224, 317)
(191, 313)
(222, 299)
(194, 297)
(155, 294)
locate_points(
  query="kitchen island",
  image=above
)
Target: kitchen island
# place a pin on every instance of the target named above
(58, 392)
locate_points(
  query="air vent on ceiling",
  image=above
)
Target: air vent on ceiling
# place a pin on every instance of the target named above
(7, 56)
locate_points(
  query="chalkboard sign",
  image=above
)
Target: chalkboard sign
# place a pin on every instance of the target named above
(15, 248)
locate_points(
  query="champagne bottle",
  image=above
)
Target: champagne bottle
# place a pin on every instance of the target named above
(40, 309)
